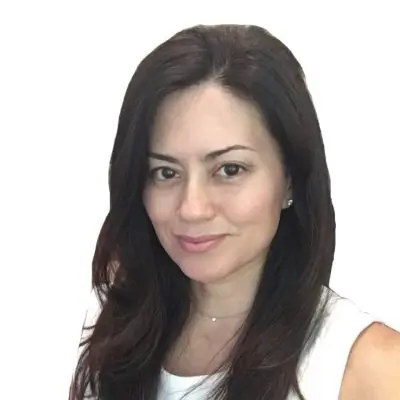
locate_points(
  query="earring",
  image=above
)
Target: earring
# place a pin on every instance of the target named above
(289, 203)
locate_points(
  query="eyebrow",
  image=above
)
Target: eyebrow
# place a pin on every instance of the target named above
(209, 156)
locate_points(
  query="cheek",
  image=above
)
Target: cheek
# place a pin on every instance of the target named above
(255, 205)
(159, 206)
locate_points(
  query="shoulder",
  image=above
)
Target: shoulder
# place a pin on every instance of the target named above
(333, 353)
(373, 367)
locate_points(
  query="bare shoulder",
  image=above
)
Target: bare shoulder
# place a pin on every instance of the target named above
(373, 367)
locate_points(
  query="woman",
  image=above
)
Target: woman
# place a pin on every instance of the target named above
(213, 262)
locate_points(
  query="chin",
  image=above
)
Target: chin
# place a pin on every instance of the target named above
(200, 274)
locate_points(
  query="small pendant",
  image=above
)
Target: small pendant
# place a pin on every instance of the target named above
(213, 319)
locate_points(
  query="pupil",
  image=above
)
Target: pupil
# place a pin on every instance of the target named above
(167, 173)
(231, 169)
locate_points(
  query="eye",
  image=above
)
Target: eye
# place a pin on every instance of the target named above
(230, 170)
(162, 174)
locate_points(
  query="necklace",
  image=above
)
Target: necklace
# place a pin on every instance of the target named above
(215, 318)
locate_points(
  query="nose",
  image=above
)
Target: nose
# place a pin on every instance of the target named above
(196, 203)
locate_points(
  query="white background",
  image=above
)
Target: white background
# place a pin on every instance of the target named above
(63, 72)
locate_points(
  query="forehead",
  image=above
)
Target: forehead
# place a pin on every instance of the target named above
(207, 117)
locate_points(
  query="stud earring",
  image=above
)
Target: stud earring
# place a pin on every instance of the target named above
(289, 203)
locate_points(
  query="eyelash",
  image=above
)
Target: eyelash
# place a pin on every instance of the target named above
(241, 169)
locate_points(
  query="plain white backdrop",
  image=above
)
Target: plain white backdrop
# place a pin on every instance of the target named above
(63, 73)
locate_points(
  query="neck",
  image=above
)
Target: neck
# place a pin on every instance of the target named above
(232, 296)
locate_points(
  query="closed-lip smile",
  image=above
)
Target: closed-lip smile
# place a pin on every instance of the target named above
(198, 244)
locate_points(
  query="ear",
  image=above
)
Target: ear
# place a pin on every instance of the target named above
(288, 195)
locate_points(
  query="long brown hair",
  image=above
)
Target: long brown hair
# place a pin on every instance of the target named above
(146, 307)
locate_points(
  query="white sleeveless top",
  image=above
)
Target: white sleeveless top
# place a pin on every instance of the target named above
(320, 371)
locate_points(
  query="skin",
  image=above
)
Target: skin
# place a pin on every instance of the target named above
(373, 367)
(195, 188)
(198, 197)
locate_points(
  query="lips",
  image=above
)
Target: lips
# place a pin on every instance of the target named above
(199, 244)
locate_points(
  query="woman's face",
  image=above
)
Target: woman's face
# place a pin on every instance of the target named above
(216, 183)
